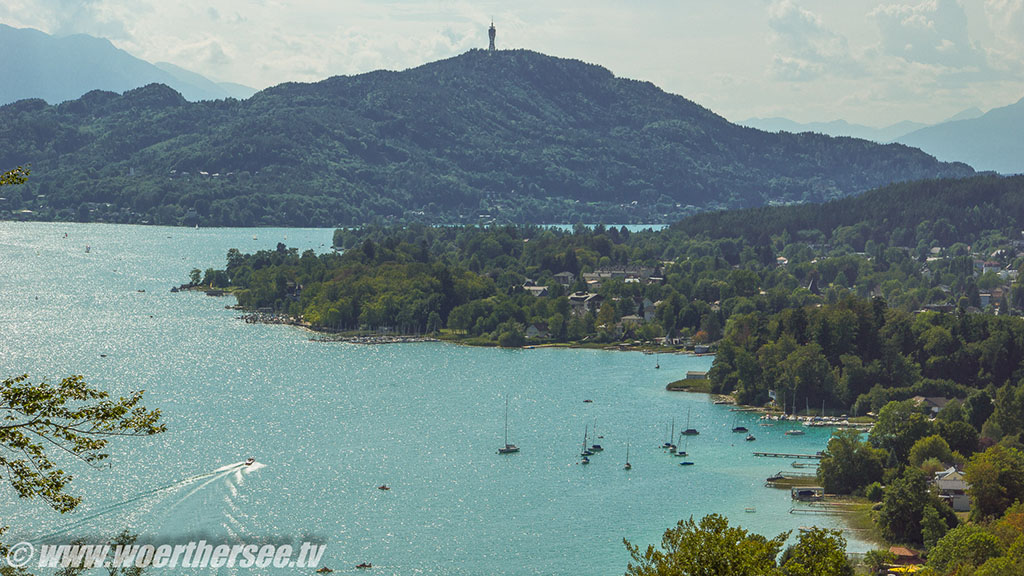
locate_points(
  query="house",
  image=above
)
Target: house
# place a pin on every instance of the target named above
(991, 266)
(565, 278)
(537, 330)
(583, 302)
(933, 403)
(953, 489)
(905, 556)
(632, 319)
(537, 291)
(701, 349)
(696, 375)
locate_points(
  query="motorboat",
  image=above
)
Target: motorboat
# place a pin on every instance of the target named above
(250, 461)
(750, 438)
(383, 487)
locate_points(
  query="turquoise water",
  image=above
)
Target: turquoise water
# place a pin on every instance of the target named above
(330, 422)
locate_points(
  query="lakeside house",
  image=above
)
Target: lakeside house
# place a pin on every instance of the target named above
(537, 330)
(696, 375)
(583, 302)
(953, 489)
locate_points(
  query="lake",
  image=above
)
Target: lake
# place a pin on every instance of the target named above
(329, 422)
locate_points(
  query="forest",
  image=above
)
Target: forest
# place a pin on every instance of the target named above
(505, 137)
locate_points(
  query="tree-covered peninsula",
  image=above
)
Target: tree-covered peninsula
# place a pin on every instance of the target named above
(902, 305)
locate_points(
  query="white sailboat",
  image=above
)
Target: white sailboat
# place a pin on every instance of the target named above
(508, 448)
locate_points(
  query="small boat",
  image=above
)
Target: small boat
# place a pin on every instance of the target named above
(587, 401)
(250, 461)
(364, 565)
(686, 463)
(628, 466)
(750, 509)
(585, 460)
(87, 248)
(657, 366)
(794, 432)
(508, 448)
(750, 438)
(737, 427)
(324, 570)
(383, 487)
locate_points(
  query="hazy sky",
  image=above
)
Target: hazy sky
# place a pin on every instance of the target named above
(865, 61)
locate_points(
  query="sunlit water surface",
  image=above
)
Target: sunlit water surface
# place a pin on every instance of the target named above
(328, 423)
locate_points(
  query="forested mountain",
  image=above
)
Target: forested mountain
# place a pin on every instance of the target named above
(942, 212)
(994, 141)
(56, 69)
(510, 136)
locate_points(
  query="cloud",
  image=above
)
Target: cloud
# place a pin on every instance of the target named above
(809, 49)
(933, 32)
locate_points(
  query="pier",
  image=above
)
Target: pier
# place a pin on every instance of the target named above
(795, 456)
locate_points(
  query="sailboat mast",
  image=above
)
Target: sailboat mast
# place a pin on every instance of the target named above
(506, 420)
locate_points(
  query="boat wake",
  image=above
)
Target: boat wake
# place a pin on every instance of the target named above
(145, 501)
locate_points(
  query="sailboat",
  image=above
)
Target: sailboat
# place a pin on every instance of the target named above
(628, 466)
(508, 448)
(671, 437)
(668, 443)
(682, 453)
(596, 447)
(689, 431)
(586, 451)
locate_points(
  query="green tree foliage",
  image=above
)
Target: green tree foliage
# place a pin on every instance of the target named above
(70, 418)
(966, 545)
(996, 479)
(903, 508)
(819, 551)
(708, 548)
(898, 427)
(933, 446)
(513, 135)
(875, 560)
(849, 464)
(933, 527)
(713, 548)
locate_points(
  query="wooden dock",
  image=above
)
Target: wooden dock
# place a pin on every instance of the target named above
(782, 455)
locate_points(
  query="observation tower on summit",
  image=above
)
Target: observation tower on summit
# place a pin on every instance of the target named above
(491, 32)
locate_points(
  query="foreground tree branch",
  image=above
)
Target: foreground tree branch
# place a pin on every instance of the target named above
(69, 417)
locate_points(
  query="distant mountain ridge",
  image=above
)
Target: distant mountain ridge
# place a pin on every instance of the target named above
(836, 128)
(506, 136)
(989, 141)
(57, 69)
(993, 141)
